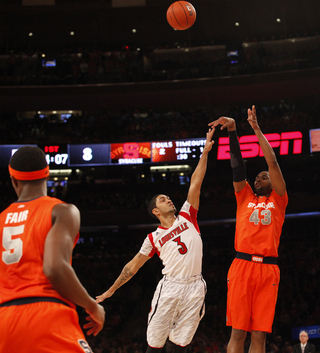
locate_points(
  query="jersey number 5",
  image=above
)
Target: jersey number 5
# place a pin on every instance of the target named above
(265, 217)
(183, 249)
(13, 252)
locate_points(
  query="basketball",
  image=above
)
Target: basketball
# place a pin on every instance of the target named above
(181, 15)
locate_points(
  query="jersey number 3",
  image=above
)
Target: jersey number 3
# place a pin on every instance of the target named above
(183, 249)
(265, 217)
(13, 252)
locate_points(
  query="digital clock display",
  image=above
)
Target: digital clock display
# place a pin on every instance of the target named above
(56, 155)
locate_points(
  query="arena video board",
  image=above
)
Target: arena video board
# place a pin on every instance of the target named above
(162, 151)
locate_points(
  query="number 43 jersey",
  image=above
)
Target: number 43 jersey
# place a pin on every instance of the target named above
(23, 230)
(259, 222)
(179, 247)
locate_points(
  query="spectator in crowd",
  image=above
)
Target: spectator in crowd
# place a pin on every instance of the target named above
(304, 346)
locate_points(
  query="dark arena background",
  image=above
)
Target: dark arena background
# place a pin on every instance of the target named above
(120, 103)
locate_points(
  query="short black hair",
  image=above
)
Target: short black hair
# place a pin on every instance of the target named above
(28, 159)
(152, 205)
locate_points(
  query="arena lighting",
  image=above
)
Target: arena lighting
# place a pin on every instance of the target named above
(60, 172)
(170, 168)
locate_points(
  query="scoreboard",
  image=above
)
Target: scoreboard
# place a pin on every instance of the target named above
(80, 155)
(163, 151)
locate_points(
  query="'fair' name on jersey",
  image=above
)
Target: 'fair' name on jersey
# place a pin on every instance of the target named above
(16, 217)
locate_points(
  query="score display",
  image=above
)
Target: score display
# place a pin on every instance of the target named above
(183, 150)
(177, 150)
(96, 154)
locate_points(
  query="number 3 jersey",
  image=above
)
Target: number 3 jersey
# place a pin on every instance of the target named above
(23, 230)
(259, 222)
(179, 247)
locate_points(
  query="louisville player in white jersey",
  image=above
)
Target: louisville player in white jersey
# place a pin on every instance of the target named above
(178, 302)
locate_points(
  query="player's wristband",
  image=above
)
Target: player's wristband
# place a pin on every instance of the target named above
(237, 163)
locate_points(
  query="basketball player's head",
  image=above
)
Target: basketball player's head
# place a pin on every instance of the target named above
(262, 184)
(29, 164)
(161, 205)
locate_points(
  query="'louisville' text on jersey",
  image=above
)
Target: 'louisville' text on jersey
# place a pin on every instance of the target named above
(16, 217)
(181, 228)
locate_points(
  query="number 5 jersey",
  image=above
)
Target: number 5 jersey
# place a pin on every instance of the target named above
(23, 230)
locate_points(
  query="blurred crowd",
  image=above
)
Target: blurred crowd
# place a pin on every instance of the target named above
(30, 66)
(139, 125)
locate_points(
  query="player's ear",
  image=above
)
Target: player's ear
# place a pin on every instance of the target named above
(156, 212)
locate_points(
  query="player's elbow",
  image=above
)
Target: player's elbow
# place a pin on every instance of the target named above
(53, 271)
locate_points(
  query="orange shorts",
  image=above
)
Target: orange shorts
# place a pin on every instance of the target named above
(41, 327)
(252, 295)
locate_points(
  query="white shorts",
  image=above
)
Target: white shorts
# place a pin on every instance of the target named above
(176, 310)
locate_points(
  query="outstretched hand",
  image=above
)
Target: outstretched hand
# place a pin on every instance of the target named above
(105, 295)
(252, 117)
(225, 122)
(209, 141)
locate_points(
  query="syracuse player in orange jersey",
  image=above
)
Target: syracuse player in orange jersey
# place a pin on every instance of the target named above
(253, 277)
(39, 289)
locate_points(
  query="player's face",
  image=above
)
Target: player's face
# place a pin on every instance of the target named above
(165, 205)
(262, 184)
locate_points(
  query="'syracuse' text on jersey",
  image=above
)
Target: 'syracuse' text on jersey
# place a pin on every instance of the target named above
(179, 247)
(259, 222)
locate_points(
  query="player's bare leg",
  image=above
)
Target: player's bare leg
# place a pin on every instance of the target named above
(236, 343)
(258, 342)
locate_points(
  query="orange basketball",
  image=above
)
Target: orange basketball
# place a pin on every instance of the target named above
(181, 15)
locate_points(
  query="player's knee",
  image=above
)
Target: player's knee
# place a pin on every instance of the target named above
(258, 338)
(238, 335)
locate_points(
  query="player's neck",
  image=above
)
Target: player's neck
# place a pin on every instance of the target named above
(29, 193)
(167, 222)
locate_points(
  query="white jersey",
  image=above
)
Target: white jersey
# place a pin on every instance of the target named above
(179, 247)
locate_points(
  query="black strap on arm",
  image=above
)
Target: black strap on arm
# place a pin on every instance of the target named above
(237, 163)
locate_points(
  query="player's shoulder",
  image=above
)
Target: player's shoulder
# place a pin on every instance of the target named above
(246, 191)
(185, 207)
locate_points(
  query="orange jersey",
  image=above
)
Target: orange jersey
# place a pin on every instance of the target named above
(259, 222)
(23, 230)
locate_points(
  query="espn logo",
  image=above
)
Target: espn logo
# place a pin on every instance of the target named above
(250, 147)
